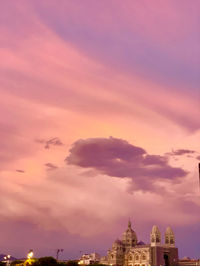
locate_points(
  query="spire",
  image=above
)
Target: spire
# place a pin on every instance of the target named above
(129, 238)
(129, 223)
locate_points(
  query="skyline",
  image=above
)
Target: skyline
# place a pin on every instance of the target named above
(99, 123)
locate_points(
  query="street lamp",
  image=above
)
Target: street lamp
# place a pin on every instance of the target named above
(30, 254)
(7, 259)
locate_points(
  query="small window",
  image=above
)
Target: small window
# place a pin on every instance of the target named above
(130, 258)
(136, 257)
(157, 239)
(144, 257)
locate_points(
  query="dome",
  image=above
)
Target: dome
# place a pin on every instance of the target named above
(155, 230)
(117, 243)
(169, 231)
(140, 243)
(129, 237)
(129, 233)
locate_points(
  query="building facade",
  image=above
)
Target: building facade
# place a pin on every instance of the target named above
(189, 262)
(87, 259)
(129, 252)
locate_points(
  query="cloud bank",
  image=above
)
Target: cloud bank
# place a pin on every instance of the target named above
(116, 157)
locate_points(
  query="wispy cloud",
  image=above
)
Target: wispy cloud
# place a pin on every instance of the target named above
(51, 142)
(50, 166)
(180, 152)
(20, 171)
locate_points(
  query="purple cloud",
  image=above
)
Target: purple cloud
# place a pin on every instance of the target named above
(116, 157)
(53, 141)
(180, 152)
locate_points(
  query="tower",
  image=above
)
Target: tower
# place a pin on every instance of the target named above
(155, 237)
(169, 237)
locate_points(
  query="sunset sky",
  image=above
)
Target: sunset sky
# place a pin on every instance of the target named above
(99, 123)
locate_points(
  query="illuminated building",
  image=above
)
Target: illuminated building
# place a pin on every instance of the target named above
(129, 252)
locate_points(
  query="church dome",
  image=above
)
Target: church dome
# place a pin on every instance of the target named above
(129, 237)
(117, 243)
(129, 231)
(140, 243)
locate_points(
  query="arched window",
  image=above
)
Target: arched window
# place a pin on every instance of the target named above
(143, 257)
(130, 258)
(136, 257)
(157, 239)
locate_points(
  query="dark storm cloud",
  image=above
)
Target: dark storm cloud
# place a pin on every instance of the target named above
(47, 143)
(50, 166)
(180, 152)
(116, 157)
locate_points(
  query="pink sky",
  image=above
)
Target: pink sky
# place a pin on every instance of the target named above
(100, 108)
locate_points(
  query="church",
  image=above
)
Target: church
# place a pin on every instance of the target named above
(129, 252)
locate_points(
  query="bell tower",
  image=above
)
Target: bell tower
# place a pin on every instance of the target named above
(169, 237)
(155, 236)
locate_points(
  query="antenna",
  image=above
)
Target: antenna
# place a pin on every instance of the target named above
(58, 251)
(199, 175)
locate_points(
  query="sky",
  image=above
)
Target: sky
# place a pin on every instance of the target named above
(99, 124)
